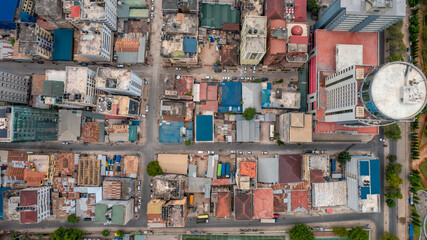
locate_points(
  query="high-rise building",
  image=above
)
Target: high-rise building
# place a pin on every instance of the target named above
(14, 87)
(119, 81)
(276, 42)
(96, 42)
(361, 15)
(34, 204)
(22, 124)
(365, 95)
(100, 11)
(254, 38)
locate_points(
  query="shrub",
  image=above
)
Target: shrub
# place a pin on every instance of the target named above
(106, 233)
(301, 232)
(187, 142)
(154, 169)
(72, 218)
(344, 157)
(249, 113)
(341, 232)
(392, 131)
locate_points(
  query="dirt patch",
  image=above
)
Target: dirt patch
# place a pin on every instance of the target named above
(209, 55)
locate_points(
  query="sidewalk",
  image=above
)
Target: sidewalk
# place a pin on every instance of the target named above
(386, 208)
(402, 204)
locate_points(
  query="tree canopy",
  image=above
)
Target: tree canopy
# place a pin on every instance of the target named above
(249, 113)
(392, 132)
(341, 232)
(154, 169)
(106, 233)
(120, 233)
(66, 234)
(392, 174)
(358, 233)
(344, 157)
(72, 218)
(301, 232)
(313, 6)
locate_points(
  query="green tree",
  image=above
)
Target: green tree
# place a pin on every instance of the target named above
(257, 80)
(40, 236)
(393, 193)
(280, 143)
(301, 232)
(154, 169)
(13, 235)
(23, 236)
(187, 142)
(389, 236)
(12, 41)
(341, 232)
(344, 157)
(357, 233)
(276, 134)
(313, 6)
(120, 233)
(72, 218)
(392, 158)
(106, 233)
(66, 234)
(393, 171)
(390, 203)
(392, 131)
(249, 113)
(218, 62)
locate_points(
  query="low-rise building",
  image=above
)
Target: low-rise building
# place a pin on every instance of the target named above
(296, 127)
(39, 170)
(247, 130)
(329, 194)
(297, 48)
(34, 204)
(243, 205)
(119, 81)
(118, 212)
(177, 212)
(253, 40)
(277, 35)
(130, 49)
(178, 87)
(114, 188)
(100, 11)
(88, 171)
(155, 218)
(169, 186)
(33, 42)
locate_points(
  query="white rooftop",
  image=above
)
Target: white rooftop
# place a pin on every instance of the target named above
(399, 90)
(348, 55)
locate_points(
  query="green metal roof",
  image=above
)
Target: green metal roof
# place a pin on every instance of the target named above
(100, 211)
(134, 3)
(133, 132)
(118, 214)
(214, 15)
(138, 13)
(53, 88)
(62, 45)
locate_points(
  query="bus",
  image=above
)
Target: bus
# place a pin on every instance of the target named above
(272, 132)
(219, 170)
(203, 216)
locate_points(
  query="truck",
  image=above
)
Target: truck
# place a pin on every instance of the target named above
(223, 169)
(411, 230)
(227, 170)
(272, 220)
(219, 170)
(118, 158)
(333, 165)
(190, 200)
(202, 220)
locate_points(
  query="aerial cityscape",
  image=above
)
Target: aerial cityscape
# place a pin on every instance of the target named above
(213, 119)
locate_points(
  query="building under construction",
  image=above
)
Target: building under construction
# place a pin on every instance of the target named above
(88, 171)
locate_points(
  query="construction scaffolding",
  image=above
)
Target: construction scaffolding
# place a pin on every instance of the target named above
(89, 171)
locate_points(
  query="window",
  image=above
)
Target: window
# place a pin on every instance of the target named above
(253, 56)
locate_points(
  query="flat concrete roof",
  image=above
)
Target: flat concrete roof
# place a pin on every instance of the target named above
(329, 194)
(348, 55)
(393, 94)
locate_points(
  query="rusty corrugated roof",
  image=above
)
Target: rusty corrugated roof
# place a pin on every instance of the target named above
(263, 203)
(223, 205)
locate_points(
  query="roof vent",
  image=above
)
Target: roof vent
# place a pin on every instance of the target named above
(250, 31)
(255, 31)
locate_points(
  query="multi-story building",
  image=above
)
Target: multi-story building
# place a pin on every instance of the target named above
(297, 47)
(361, 15)
(119, 81)
(96, 42)
(117, 106)
(253, 40)
(71, 9)
(276, 41)
(50, 10)
(21, 124)
(34, 204)
(33, 42)
(14, 87)
(100, 11)
(364, 95)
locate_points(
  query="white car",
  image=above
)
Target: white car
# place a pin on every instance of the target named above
(152, 8)
(65, 143)
(244, 70)
(139, 188)
(382, 140)
(264, 153)
(200, 152)
(250, 152)
(146, 109)
(233, 151)
(208, 77)
(177, 69)
(142, 115)
(211, 152)
(254, 69)
(241, 153)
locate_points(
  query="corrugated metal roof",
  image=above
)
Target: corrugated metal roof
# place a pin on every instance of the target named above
(190, 45)
(214, 15)
(263, 203)
(247, 131)
(139, 13)
(375, 176)
(268, 170)
(251, 96)
(62, 45)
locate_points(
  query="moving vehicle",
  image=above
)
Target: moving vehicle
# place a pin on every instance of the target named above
(273, 220)
(218, 174)
(202, 220)
(146, 109)
(227, 170)
(83, 64)
(191, 200)
(264, 153)
(120, 66)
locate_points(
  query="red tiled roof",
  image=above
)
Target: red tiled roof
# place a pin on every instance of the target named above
(203, 90)
(277, 46)
(248, 169)
(228, 55)
(223, 205)
(33, 178)
(263, 203)
(300, 11)
(209, 106)
(279, 204)
(212, 94)
(37, 84)
(290, 168)
(222, 181)
(28, 198)
(28, 217)
(127, 45)
(90, 132)
(111, 190)
(277, 23)
(274, 9)
(65, 164)
(184, 85)
(243, 207)
(299, 199)
(316, 176)
(231, 26)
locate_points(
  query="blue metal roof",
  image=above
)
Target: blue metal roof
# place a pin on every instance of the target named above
(364, 191)
(7, 13)
(204, 128)
(375, 176)
(190, 45)
(364, 168)
(232, 96)
(170, 132)
(62, 45)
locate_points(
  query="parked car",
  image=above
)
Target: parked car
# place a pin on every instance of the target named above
(264, 153)
(152, 16)
(83, 64)
(146, 83)
(217, 70)
(247, 78)
(250, 152)
(240, 153)
(224, 78)
(139, 188)
(234, 78)
(200, 152)
(139, 181)
(142, 115)
(177, 69)
(241, 78)
(211, 152)
(208, 77)
(40, 62)
(254, 69)
(146, 109)
(382, 140)
(106, 65)
(86, 144)
(233, 151)
(152, 8)
(120, 66)
(66, 143)
(244, 69)
(224, 70)
(264, 79)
